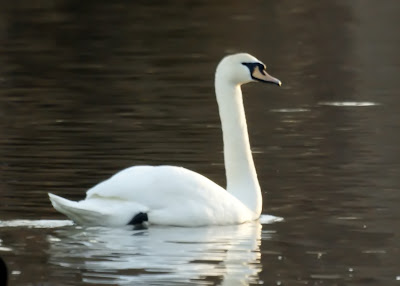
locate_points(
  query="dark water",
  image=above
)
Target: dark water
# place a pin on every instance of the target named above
(90, 87)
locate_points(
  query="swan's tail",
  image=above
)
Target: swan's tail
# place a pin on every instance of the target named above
(98, 211)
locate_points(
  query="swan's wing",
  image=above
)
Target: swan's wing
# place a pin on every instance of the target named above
(148, 184)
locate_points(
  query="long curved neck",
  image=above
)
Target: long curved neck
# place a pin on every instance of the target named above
(241, 173)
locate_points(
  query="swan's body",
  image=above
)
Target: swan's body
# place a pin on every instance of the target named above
(169, 195)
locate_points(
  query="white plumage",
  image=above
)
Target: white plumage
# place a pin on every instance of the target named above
(170, 195)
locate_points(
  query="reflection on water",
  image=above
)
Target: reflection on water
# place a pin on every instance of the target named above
(88, 88)
(158, 255)
(35, 223)
(163, 255)
(167, 256)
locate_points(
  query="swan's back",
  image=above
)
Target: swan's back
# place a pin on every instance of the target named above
(139, 182)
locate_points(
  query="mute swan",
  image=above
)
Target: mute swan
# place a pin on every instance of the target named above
(169, 195)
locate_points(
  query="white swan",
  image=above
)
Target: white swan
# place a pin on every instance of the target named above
(168, 195)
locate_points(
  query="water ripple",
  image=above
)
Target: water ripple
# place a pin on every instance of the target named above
(349, 103)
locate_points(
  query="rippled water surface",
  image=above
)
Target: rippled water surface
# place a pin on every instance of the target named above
(90, 87)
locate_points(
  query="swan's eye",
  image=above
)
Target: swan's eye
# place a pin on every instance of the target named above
(252, 66)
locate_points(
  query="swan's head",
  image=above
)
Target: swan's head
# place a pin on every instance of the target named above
(243, 68)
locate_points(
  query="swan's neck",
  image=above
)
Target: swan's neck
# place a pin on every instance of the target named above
(241, 174)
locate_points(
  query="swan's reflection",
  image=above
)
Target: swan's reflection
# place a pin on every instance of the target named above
(164, 255)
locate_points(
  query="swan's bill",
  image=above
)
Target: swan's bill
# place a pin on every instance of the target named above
(262, 75)
(258, 72)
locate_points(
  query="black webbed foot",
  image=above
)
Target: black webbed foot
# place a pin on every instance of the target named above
(139, 220)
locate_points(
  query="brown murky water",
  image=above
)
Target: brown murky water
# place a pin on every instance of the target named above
(90, 87)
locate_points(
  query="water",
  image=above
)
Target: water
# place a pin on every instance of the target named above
(88, 88)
